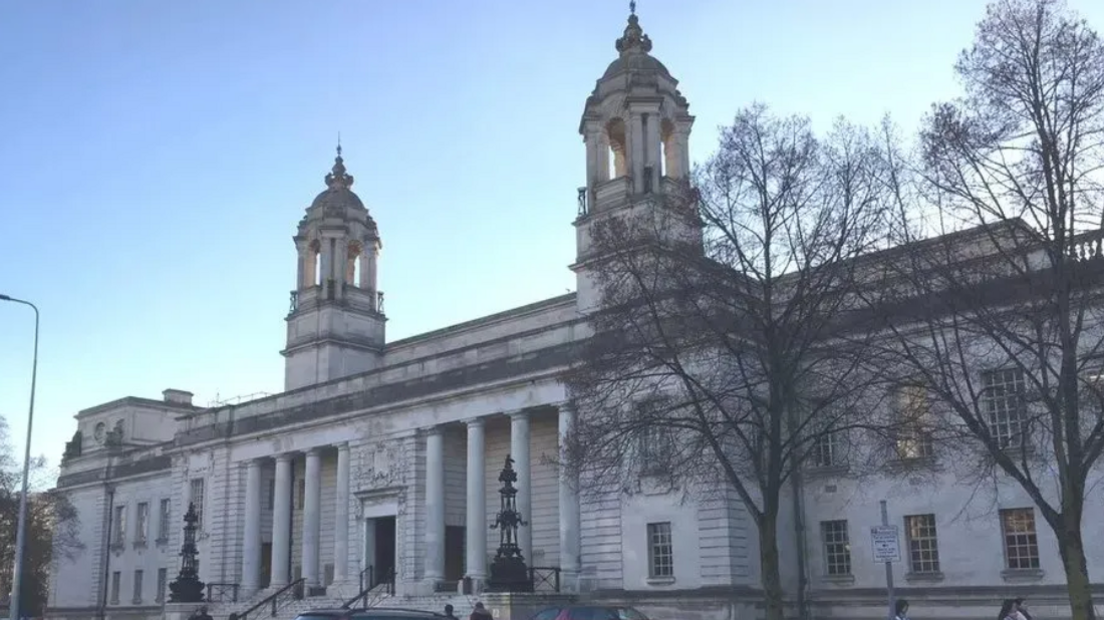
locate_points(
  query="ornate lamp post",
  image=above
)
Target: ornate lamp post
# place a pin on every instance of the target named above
(187, 588)
(508, 570)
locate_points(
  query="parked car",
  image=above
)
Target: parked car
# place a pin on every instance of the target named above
(372, 613)
(590, 612)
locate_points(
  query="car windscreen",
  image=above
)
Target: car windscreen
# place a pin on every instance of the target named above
(319, 616)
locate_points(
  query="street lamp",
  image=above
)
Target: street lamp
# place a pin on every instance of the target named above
(21, 529)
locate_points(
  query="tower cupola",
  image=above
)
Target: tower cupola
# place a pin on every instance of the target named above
(336, 322)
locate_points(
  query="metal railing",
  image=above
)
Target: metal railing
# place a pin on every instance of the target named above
(545, 578)
(277, 600)
(222, 593)
(372, 591)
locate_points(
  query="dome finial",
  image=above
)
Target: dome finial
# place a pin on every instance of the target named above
(338, 178)
(633, 39)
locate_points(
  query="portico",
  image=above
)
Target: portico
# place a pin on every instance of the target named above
(441, 536)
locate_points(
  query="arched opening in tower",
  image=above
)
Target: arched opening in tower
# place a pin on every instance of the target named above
(315, 264)
(618, 160)
(354, 264)
(669, 156)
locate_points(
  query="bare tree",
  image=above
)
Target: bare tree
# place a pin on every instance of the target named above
(53, 527)
(1004, 322)
(722, 361)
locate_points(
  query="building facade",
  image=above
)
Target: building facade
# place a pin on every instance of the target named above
(380, 461)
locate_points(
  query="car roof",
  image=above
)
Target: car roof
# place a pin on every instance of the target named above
(369, 610)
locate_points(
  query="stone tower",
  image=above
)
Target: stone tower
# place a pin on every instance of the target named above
(336, 323)
(636, 128)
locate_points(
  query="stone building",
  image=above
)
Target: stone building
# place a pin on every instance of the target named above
(381, 457)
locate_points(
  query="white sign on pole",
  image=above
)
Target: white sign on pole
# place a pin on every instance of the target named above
(886, 543)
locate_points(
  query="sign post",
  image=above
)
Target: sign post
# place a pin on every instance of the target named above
(887, 548)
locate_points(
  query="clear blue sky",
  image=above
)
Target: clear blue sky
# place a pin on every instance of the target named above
(155, 157)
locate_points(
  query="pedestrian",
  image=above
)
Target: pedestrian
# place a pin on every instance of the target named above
(1008, 610)
(1021, 610)
(480, 613)
(449, 613)
(900, 609)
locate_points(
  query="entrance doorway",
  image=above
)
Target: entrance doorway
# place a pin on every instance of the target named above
(455, 539)
(385, 547)
(266, 564)
(379, 548)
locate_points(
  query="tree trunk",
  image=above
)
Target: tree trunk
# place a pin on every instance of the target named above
(1077, 573)
(769, 566)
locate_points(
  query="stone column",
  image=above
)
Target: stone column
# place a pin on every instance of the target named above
(519, 450)
(281, 522)
(251, 545)
(635, 132)
(341, 516)
(435, 505)
(569, 510)
(312, 513)
(653, 149)
(477, 503)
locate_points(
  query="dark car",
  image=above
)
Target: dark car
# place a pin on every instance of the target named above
(590, 612)
(373, 613)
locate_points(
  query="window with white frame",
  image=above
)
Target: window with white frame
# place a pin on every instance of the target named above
(141, 530)
(1002, 401)
(826, 448)
(137, 599)
(195, 496)
(118, 535)
(661, 554)
(1021, 544)
(914, 437)
(163, 522)
(923, 545)
(162, 582)
(837, 548)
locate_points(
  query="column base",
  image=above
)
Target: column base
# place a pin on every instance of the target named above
(472, 585)
(572, 582)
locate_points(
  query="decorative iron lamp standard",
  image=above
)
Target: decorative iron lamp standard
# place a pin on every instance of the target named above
(508, 570)
(21, 528)
(187, 588)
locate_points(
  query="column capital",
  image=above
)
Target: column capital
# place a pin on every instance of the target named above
(476, 422)
(432, 431)
(520, 414)
(315, 451)
(343, 446)
(285, 457)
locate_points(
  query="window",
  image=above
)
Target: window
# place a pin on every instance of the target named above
(837, 547)
(825, 451)
(1021, 546)
(661, 557)
(163, 522)
(922, 543)
(116, 585)
(137, 587)
(162, 582)
(272, 494)
(119, 533)
(141, 532)
(1002, 402)
(914, 438)
(657, 450)
(196, 498)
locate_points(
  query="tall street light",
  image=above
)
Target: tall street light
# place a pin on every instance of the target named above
(21, 529)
